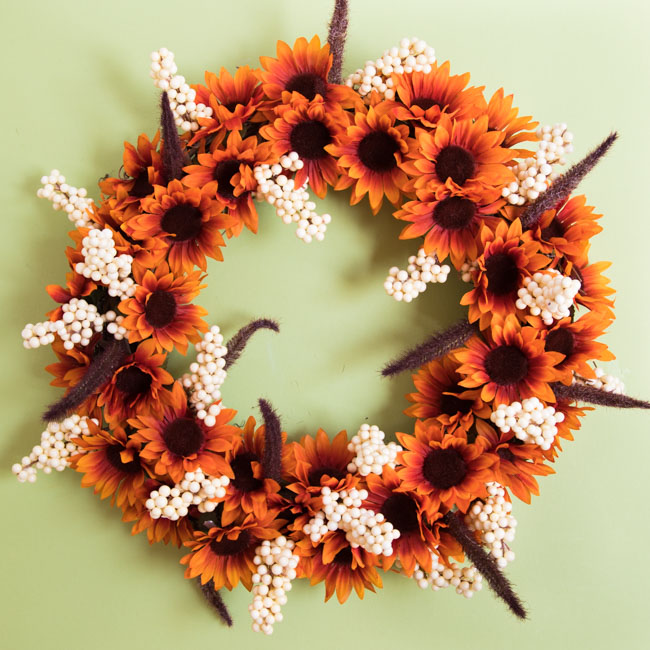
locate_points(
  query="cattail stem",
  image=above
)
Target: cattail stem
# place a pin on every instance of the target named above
(238, 342)
(272, 460)
(173, 157)
(436, 346)
(99, 371)
(561, 187)
(336, 38)
(484, 563)
(214, 598)
(593, 395)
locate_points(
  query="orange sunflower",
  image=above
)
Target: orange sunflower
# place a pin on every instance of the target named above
(339, 565)
(225, 554)
(137, 385)
(187, 220)
(143, 168)
(594, 289)
(505, 262)
(440, 397)
(577, 342)
(450, 226)
(177, 442)
(566, 231)
(516, 463)
(110, 462)
(425, 96)
(460, 157)
(369, 155)
(227, 174)
(503, 117)
(161, 308)
(319, 462)
(307, 128)
(571, 422)
(249, 491)
(233, 100)
(302, 72)
(404, 510)
(443, 468)
(511, 365)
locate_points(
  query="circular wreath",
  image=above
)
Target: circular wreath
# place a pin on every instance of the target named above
(494, 394)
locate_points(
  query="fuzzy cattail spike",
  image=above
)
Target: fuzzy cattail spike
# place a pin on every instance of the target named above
(214, 598)
(238, 342)
(336, 38)
(436, 346)
(100, 370)
(484, 563)
(593, 395)
(173, 157)
(272, 461)
(565, 184)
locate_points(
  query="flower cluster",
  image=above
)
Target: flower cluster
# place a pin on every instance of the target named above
(493, 394)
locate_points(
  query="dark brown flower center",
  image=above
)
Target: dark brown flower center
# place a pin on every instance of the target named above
(377, 151)
(308, 84)
(183, 437)
(113, 456)
(444, 468)
(454, 213)
(316, 474)
(142, 187)
(343, 557)
(309, 139)
(231, 106)
(232, 546)
(505, 454)
(425, 103)
(401, 511)
(160, 309)
(132, 381)
(502, 274)
(456, 163)
(451, 405)
(184, 221)
(506, 365)
(244, 479)
(561, 341)
(223, 173)
(554, 229)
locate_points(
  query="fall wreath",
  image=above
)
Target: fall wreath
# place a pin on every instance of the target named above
(475, 183)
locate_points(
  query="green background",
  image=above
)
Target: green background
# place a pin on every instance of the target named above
(76, 85)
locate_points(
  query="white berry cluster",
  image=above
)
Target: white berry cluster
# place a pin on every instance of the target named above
(181, 97)
(195, 489)
(466, 271)
(362, 527)
(493, 519)
(54, 451)
(534, 175)
(530, 420)
(412, 55)
(605, 382)
(548, 294)
(206, 376)
(371, 452)
(466, 579)
(114, 325)
(276, 568)
(292, 204)
(422, 270)
(79, 321)
(103, 264)
(65, 197)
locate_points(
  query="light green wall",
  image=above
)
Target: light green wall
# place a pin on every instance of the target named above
(76, 85)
